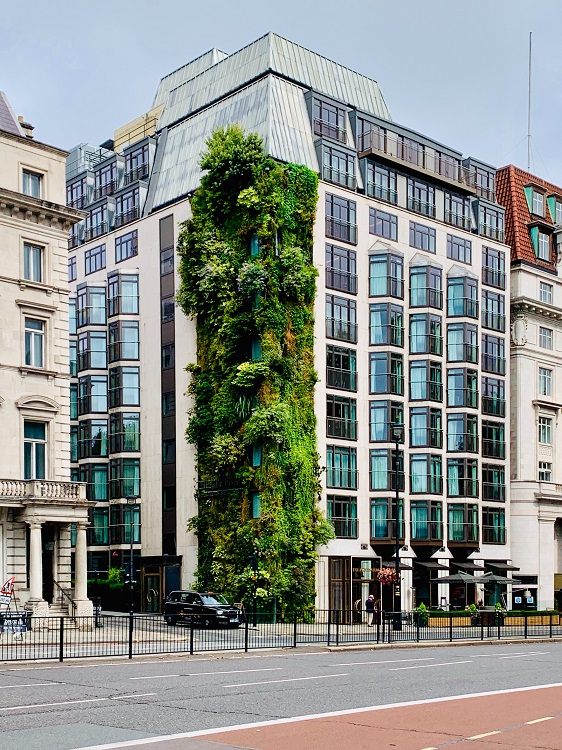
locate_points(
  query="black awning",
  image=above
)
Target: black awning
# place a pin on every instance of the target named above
(501, 566)
(432, 565)
(403, 566)
(470, 566)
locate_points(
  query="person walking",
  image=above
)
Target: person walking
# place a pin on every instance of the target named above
(370, 610)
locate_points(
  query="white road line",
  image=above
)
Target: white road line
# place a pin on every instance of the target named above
(34, 684)
(517, 656)
(386, 661)
(427, 666)
(48, 705)
(486, 734)
(308, 717)
(517, 653)
(155, 677)
(291, 679)
(537, 721)
(136, 695)
(198, 674)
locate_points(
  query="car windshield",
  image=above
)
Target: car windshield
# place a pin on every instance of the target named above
(213, 599)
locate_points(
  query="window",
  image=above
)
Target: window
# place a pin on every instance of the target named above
(411, 151)
(34, 342)
(462, 433)
(545, 430)
(124, 386)
(447, 166)
(168, 403)
(92, 351)
(457, 211)
(341, 318)
(98, 532)
(123, 340)
(493, 482)
(493, 267)
(385, 373)
(491, 223)
(422, 237)
(329, 121)
(545, 337)
(72, 358)
(421, 198)
(126, 246)
(127, 208)
(72, 316)
(92, 395)
(341, 368)
(72, 268)
(383, 224)
(426, 520)
(32, 183)
(484, 182)
(543, 246)
(370, 136)
(493, 310)
(96, 223)
(338, 167)
(73, 401)
(34, 450)
(545, 471)
(124, 432)
(557, 213)
(493, 397)
(382, 471)
(386, 276)
(168, 309)
(462, 297)
(136, 164)
(341, 467)
(342, 514)
(94, 259)
(384, 414)
(123, 294)
(341, 417)
(381, 182)
(95, 476)
(383, 515)
(462, 523)
(166, 261)
(105, 180)
(125, 519)
(493, 354)
(462, 342)
(537, 203)
(92, 438)
(493, 526)
(426, 287)
(425, 427)
(459, 248)
(462, 477)
(425, 334)
(545, 292)
(168, 356)
(426, 475)
(545, 381)
(493, 439)
(386, 324)
(32, 262)
(124, 478)
(340, 269)
(76, 194)
(169, 451)
(462, 388)
(90, 306)
(169, 498)
(426, 381)
(340, 219)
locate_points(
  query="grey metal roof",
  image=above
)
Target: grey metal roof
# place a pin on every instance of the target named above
(185, 73)
(272, 53)
(8, 121)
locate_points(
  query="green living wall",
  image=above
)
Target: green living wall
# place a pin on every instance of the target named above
(247, 275)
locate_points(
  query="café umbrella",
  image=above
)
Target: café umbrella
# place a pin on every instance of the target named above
(459, 578)
(494, 578)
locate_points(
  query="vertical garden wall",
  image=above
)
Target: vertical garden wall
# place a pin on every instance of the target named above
(247, 275)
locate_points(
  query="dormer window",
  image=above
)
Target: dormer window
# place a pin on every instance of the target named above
(537, 206)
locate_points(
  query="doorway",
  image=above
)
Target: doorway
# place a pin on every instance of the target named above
(48, 543)
(152, 592)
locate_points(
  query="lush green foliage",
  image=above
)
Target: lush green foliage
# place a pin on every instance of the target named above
(247, 275)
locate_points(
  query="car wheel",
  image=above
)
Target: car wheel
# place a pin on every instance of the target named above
(170, 620)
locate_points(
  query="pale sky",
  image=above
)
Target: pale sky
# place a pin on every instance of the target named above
(454, 70)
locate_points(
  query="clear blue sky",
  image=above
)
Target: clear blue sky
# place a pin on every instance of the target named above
(451, 69)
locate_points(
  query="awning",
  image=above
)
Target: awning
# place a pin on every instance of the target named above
(470, 566)
(501, 566)
(433, 565)
(403, 566)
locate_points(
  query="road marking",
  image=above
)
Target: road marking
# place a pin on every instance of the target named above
(386, 661)
(486, 734)
(517, 653)
(537, 721)
(308, 717)
(48, 705)
(154, 677)
(198, 674)
(34, 684)
(429, 748)
(291, 679)
(517, 656)
(427, 666)
(136, 695)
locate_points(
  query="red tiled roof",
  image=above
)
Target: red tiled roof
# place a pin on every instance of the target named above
(510, 182)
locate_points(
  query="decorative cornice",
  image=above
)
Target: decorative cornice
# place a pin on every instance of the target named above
(35, 144)
(37, 211)
(526, 305)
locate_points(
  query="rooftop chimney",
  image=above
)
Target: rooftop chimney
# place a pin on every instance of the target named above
(26, 127)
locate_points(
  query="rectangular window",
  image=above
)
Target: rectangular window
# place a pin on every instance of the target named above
(422, 237)
(125, 524)
(90, 306)
(383, 224)
(341, 368)
(492, 223)
(73, 401)
(459, 248)
(425, 427)
(342, 514)
(493, 482)
(32, 183)
(447, 166)
(169, 498)
(329, 121)
(338, 167)
(545, 430)
(341, 467)
(370, 136)
(124, 478)
(543, 246)
(545, 471)
(105, 180)
(123, 340)
(341, 273)
(382, 416)
(94, 259)
(123, 294)
(168, 356)
(92, 395)
(493, 526)
(493, 310)
(382, 471)
(98, 532)
(493, 397)
(96, 223)
(168, 306)
(493, 439)
(124, 432)
(72, 268)
(462, 297)
(72, 316)
(386, 276)
(341, 223)
(341, 318)
(34, 450)
(169, 451)
(485, 182)
(76, 194)
(462, 344)
(383, 518)
(462, 523)
(34, 342)
(426, 336)
(341, 417)
(411, 151)
(493, 354)
(426, 287)
(92, 351)
(457, 211)
(126, 246)
(95, 476)
(546, 292)
(127, 208)
(426, 381)
(386, 373)
(124, 386)
(92, 438)
(537, 203)
(32, 262)
(462, 433)
(426, 475)
(168, 403)
(462, 477)
(136, 164)
(546, 336)
(545, 381)
(166, 261)
(386, 324)
(421, 197)
(426, 520)
(493, 267)
(381, 182)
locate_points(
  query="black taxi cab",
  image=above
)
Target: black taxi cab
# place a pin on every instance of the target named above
(205, 609)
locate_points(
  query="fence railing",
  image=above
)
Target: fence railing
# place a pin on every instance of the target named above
(23, 637)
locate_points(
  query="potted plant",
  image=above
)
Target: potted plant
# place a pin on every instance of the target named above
(421, 615)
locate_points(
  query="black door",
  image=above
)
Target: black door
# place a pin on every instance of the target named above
(48, 539)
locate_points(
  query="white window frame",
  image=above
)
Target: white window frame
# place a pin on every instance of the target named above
(33, 173)
(545, 381)
(35, 442)
(545, 430)
(537, 203)
(557, 212)
(546, 337)
(545, 471)
(543, 246)
(30, 265)
(32, 334)
(546, 292)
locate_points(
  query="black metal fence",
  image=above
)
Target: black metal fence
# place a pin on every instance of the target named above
(32, 638)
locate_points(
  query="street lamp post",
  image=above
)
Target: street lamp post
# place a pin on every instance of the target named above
(397, 433)
(131, 502)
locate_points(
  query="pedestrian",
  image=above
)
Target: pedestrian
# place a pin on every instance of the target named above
(370, 610)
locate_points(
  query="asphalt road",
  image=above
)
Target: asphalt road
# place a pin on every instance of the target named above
(104, 702)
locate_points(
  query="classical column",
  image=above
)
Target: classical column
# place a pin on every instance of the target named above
(80, 564)
(35, 562)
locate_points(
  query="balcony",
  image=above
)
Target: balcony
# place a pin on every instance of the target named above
(462, 397)
(493, 448)
(345, 179)
(338, 229)
(493, 491)
(462, 307)
(342, 281)
(328, 130)
(73, 241)
(344, 379)
(494, 233)
(493, 321)
(426, 297)
(344, 528)
(463, 487)
(126, 217)
(493, 364)
(342, 330)
(46, 491)
(382, 193)
(462, 442)
(426, 437)
(345, 479)
(346, 429)
(421, 207)
(493, 406)
(493, 277)
(108, 189)
(426, 531)
(136, 173)
(458, 220)
(79, 202)
(385, 528)
(463, 533)
(462, 353)
(426, 484)
(493, 534)
(96, 231)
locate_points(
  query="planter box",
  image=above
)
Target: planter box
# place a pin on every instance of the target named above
(531, 620)
(442, 622)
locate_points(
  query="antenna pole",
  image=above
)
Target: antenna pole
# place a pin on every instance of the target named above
(529, 107)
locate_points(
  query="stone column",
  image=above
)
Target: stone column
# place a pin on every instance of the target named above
(64, 556)
(35, 562)
(546, 561)
(80, 564)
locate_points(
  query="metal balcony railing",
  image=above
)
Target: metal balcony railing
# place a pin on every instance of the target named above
(341, 428)
(462, 353)
(342, 281)
(382, 193)
(493, 448)
(421, 207)
(494, 534)
(493, 491)
(106, 189)
(344, 379)
(95, 231)
(491, 363)
(338, 177)
(493, 321)
(462, 397)
(127, 216)
(342, 330)
(494, 233)
(328, 130)
(462, 442)
(338, 229)
(426, 531)
(458, 220)
(493, 277)
(345, 479)
(426, 437)
(462, 532)
(464, 487)
(493, 406)
(344, 528)
(136, 173)
(385, 528)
